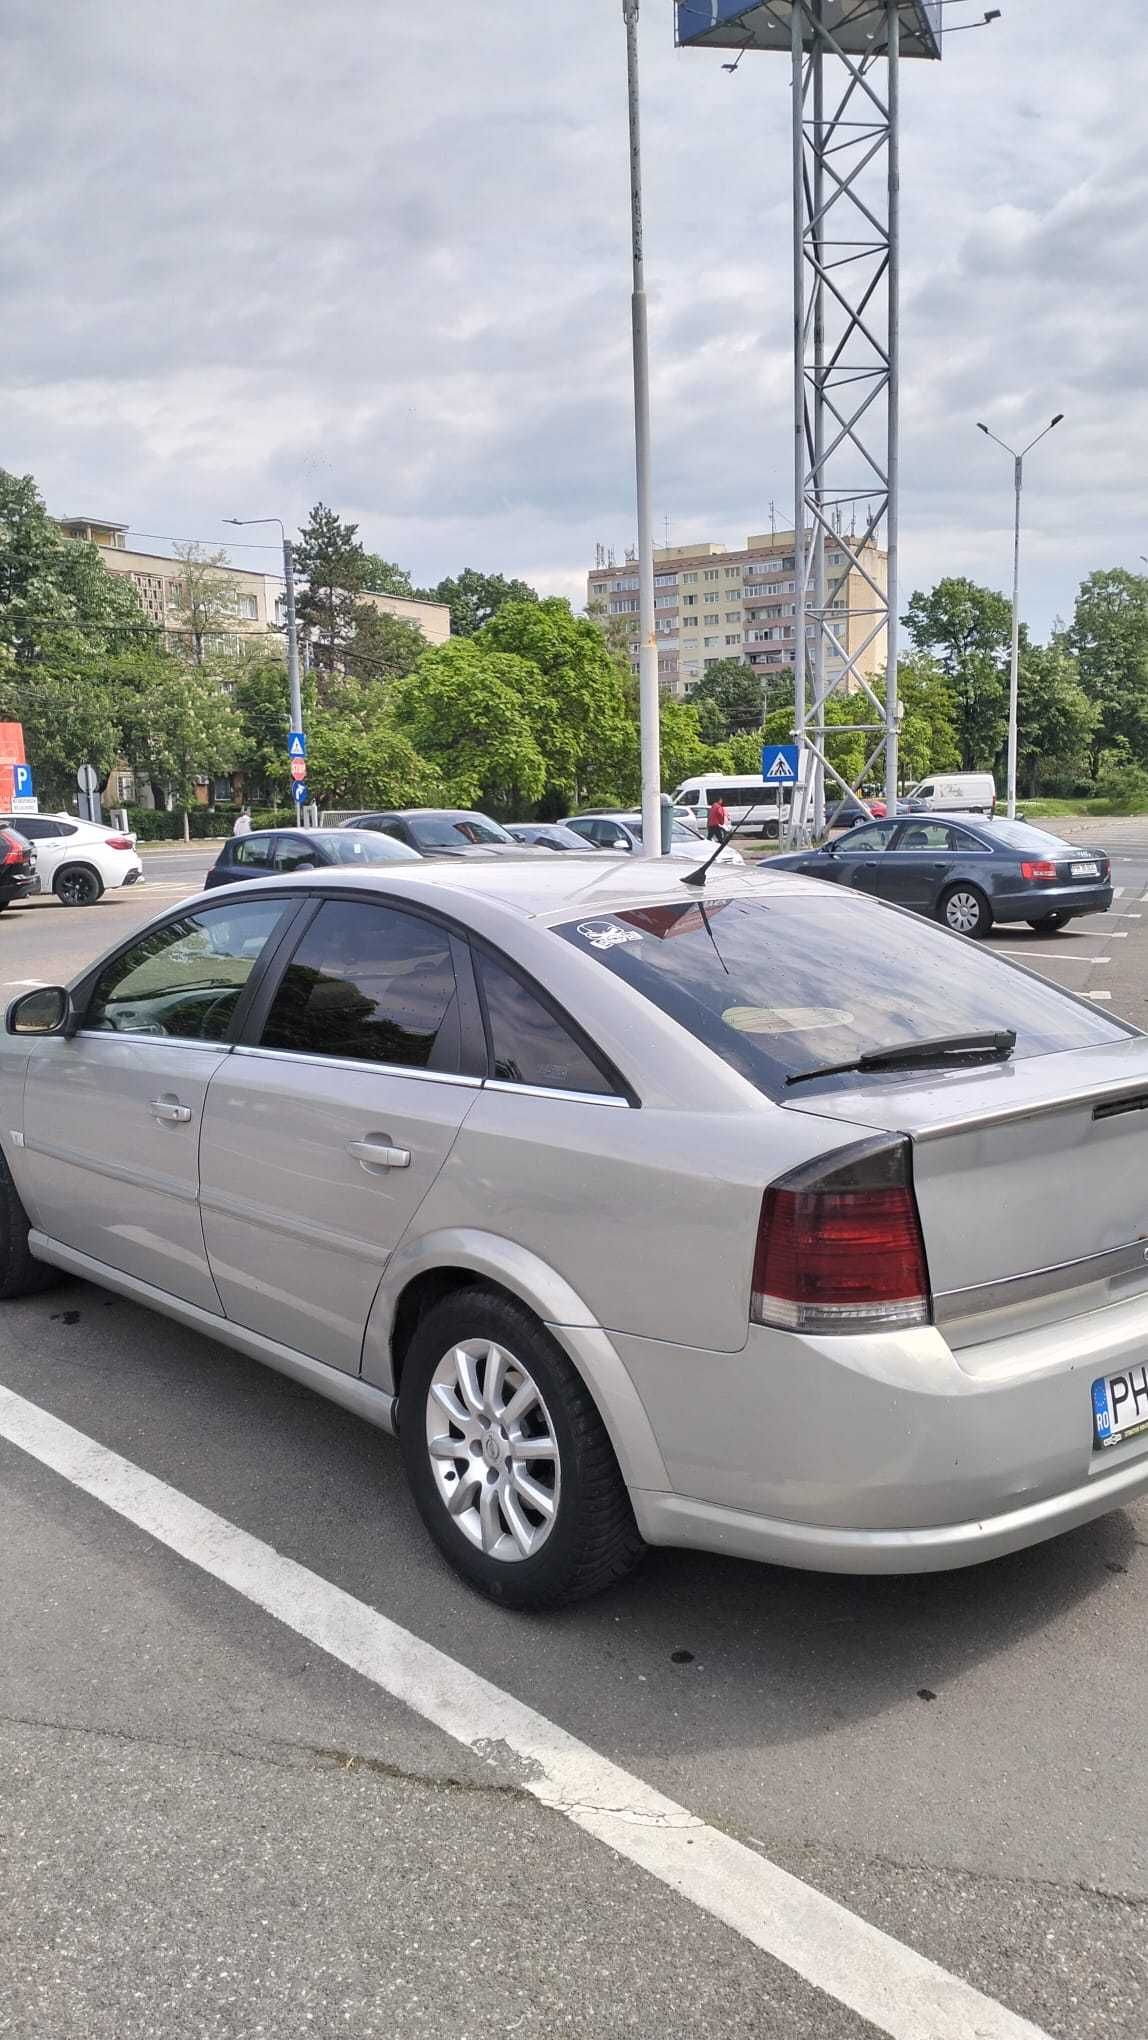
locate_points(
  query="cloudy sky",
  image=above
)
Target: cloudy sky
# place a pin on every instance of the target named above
(256, 253)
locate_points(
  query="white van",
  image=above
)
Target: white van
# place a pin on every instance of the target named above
(953, 793)
(750, 801)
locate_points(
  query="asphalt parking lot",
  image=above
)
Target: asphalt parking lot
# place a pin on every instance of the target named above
(242, 1801)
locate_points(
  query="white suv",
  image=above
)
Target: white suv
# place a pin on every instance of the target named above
(78, 861)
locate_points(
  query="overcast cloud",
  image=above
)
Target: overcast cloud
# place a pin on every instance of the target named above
(258, 253)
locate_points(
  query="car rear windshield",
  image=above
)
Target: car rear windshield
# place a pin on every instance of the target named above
(1022, 836)
(438, 831)
(349, 846)
(783, 986)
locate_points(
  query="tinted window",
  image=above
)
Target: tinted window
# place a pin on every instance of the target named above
(785, 985)
(35, 829)
(438, 831)
(353, 846)
(185, 978)
(865, 841)
(296, 853)
(252, 850)
(1022, 836)
(528, 1045)
(930, 836)
(367, 983)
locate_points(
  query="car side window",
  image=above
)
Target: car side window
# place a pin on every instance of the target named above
(925, 836)
(293, 853)
(863, 842)
(528, 1044)
(184, 979)
(252, 850)
(368, 984)
(960, 840)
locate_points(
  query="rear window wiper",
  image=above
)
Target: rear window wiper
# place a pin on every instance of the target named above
(994, 1045)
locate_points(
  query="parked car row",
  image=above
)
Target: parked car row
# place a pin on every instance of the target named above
(78, 861)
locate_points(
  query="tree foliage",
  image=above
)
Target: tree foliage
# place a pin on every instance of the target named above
(473, 712)
(208, 601)
(735, 691)
(1055, 718)
(474, 598)
(58, 602)
(967, 630)
(382, 647)
(331, 561)
(581, 722)
(383, 577)
(1108, 637)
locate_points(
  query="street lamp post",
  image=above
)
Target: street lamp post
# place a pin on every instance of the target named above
(648, 703)
(293, 680)
(1018, 460)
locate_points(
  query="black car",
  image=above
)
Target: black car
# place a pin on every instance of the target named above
(17, 867)
(548, 836)
(264, 853)
(442, 832)
(965, 873)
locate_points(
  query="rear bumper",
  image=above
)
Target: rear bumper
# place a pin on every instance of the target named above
(891, 1453)
(1036, 901)
(706, 1526)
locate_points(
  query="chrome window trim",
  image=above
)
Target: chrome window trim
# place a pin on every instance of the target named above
(951, 1305)
(548, 1091)
(168, 1040)
(338, 1062)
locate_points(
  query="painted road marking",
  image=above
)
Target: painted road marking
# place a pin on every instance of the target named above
(1099, 995)
(1057, 956)
(898, 1991)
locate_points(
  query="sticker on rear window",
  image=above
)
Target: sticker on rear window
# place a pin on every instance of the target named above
(606, 934)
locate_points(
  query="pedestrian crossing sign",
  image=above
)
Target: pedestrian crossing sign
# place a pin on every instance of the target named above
(296, 744)
(779, 764)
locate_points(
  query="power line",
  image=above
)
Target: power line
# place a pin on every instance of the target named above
(220, 545)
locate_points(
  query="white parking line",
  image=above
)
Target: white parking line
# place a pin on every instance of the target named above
(1098, 995)
(1057, 956)
(898, 1991)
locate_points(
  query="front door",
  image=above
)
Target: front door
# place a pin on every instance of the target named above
(321, 1139)
(112, 1116)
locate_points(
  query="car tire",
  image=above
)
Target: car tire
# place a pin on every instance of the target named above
(472, 1355)
(20, 1273)
(1050, 924)
(965, 910)
(77, 885)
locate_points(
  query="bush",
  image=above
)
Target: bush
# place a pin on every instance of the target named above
(163, 825)
(1122, 790)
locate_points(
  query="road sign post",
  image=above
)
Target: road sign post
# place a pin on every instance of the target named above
(88, 781)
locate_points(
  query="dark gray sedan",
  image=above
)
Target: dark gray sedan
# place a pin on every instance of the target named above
(967, 874)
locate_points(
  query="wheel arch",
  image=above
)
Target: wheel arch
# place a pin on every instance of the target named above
(420, 1274)
(81, 863)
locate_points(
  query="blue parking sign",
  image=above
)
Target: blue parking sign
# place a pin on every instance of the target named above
(22, 787)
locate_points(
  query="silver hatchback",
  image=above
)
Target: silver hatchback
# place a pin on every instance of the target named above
(754, 1217)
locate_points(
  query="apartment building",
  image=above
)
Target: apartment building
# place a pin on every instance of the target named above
(712, 603)
(258, 606)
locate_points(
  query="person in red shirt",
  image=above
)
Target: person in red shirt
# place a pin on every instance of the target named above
(717, 820)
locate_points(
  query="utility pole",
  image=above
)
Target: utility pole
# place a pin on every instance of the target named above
(293, 681)
(648, 704)
(1018, 460)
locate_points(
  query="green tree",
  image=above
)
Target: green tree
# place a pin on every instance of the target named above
(967, 630)
(473, 598)
(262, 702)
(176, 724)
(735, 690)
(579, 709)
(383, 577)
(69, 719)
(331, 561)
(1055, 718)
(58, 602)
(683, 751)
(928, 739)
(383, 647)
(474, 714)
(1108, 637)
(367, 763)
(208, 599)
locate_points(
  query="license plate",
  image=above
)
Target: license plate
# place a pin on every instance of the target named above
(1119, 1406)
(1085, 870)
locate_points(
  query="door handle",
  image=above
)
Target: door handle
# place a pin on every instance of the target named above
(170, 1112)
(379, 1154)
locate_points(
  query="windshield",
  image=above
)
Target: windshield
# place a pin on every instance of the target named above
(345, 846)
(441, 831)
(782, 986)
(679, 833)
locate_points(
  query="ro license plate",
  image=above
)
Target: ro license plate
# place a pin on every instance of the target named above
(1085, 870)
(1119, 1406)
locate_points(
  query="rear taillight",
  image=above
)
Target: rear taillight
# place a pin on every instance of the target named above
(1041, 869)
(120, 843)
(12, 847)
(839, 1245)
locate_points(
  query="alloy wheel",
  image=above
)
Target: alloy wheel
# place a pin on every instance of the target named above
(963, 912)
(493, 1450)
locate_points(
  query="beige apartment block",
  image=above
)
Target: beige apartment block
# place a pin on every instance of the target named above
(714, 603)
(259, 606)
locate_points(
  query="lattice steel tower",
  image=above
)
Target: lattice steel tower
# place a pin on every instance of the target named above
(845, 57)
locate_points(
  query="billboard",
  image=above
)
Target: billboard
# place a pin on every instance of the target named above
(747, 24)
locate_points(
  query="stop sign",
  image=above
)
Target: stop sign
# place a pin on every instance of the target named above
(298, 768)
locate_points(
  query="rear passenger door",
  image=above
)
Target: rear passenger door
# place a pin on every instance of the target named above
(916, 867)
(331, 1121)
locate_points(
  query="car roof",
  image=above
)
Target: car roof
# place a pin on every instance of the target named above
(549, 889)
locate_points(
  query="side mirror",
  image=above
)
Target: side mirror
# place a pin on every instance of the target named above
(47, 1010)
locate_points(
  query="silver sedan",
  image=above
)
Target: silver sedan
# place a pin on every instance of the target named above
(750, 1216)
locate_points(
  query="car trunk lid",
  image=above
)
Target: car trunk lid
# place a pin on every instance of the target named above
(1031, 1180)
